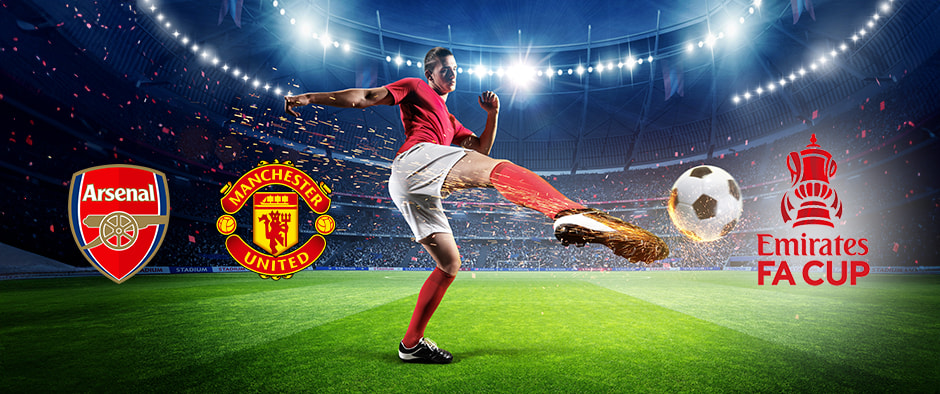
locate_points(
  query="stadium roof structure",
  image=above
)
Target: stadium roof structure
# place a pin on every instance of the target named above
(583, 84)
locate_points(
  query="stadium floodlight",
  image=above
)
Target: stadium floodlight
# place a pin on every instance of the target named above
(710, 40)
(560, 72)
(266, 87)
(843, 47)
(854, 37)
(195, 48)
(176, 33)
(236, 72)
(631, 62)
(408, 62)
(185, 40)
(398, 60)
(650, 59)
(346, 49)
(690, 47)
(580, 70)
(812, 66)
(701, 44)
(570, 71)
(225, 67)
(782, 82)
(590, 69)
(293, 21)
(160, 17)
(871, 24)
(736, 99)
(256, 83)
(747, 95)
(388, 59)
(245, 78)
(215, 61)
(885, 7)
(759, 90)
(792, 77)
(802, 71)
(520, 73)
(741, 20)
(275, 3)
(862, 32)
(277, 91)
(283, 11)
(610, 65)
(771, 87)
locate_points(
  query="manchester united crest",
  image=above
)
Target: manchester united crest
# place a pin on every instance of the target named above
(118, 215)
(275, 219)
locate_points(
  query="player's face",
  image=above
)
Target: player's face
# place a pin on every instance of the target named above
(444, 76)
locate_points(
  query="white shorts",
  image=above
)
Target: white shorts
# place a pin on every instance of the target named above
(415, 185)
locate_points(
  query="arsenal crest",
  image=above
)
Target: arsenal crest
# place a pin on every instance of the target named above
(118, 215)
(275, 219)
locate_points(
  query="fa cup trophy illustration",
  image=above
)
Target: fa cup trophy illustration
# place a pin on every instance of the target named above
(810, 170)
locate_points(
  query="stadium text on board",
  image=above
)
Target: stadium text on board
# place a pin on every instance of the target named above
(810, 172)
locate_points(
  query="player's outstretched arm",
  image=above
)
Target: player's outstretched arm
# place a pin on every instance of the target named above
(349, 98)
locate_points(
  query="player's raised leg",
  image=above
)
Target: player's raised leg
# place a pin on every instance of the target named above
(414, 347)
(574, 223)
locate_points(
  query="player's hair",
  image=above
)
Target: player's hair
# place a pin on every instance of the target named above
(434, 56)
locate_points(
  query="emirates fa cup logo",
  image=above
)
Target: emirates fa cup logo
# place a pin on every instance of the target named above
(810, 171)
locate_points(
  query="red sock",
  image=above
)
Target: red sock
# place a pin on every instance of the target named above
(428, 299)
(529, 190)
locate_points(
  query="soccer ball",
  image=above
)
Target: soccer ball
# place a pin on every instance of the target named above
(705, 203)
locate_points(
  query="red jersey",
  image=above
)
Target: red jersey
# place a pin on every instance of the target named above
(424, 114)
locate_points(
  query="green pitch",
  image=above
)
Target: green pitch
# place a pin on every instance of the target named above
(517, 332)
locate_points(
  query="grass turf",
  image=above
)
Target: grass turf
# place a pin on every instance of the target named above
(518, 332)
